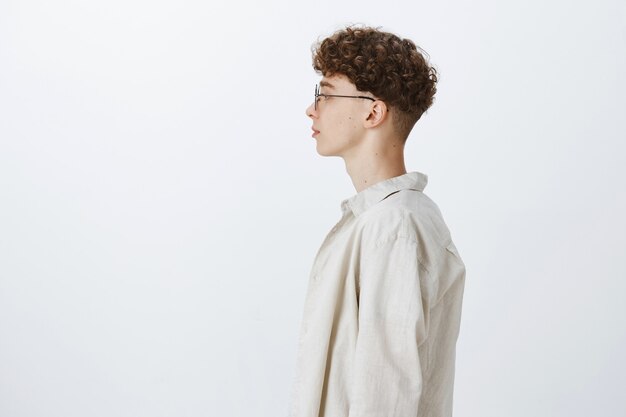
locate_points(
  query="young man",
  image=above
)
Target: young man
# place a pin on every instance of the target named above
(383, 307)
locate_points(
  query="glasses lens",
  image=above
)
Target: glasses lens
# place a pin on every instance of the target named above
(316, 94)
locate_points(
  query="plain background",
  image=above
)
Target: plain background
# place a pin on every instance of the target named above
(161, 200)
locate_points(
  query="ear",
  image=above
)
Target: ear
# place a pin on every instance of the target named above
(377, 115)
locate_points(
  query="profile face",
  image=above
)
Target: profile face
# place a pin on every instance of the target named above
(338, 121)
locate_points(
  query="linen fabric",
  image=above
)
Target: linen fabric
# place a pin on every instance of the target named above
(382, 310)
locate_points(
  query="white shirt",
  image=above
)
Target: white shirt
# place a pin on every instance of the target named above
(382, 310)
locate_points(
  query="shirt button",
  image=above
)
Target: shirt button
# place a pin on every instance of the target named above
(316, 277)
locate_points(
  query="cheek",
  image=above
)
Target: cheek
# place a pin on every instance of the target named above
(352, 122)
(349, 126)
(344, 121)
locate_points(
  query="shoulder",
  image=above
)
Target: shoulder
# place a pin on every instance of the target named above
(407, 215)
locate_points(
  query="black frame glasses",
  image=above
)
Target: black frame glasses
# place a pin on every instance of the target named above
(317, 94)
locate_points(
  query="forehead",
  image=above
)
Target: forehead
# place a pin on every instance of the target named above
(337, 82)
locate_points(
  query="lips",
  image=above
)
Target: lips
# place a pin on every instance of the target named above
(315, 132)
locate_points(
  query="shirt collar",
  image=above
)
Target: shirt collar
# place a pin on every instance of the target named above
(373, 194)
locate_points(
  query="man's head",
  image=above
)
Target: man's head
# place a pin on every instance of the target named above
(378, 64)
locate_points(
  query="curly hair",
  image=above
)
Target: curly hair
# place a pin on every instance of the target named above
(387, 66)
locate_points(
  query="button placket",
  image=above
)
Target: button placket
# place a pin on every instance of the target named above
(323, 254)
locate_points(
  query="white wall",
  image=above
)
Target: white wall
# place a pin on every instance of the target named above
(161, 200)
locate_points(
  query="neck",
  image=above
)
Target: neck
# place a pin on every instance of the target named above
(373, 163)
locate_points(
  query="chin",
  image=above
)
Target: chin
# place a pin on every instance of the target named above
(325, 151)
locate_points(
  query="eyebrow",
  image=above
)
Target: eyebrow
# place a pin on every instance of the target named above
(327, 85)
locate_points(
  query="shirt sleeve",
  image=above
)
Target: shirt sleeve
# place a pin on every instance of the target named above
(387, 372)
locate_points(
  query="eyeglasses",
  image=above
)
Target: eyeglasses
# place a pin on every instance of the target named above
(317, 94)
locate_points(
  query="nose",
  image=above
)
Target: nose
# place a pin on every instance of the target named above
(310, 111)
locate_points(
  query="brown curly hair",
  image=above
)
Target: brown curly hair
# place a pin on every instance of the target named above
(390, 68)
